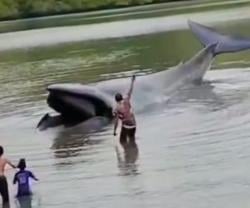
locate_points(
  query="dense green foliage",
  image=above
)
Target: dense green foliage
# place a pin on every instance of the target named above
(10, 9)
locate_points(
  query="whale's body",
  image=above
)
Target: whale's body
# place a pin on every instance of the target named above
(77, 103)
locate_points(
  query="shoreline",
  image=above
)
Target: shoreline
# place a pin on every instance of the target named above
(20, 15)
(122, 14)
(173, 4)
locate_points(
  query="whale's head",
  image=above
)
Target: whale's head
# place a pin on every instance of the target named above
(79, 101)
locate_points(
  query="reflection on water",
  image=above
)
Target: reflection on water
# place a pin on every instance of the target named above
(6, 205)
(25, 201)
(206, 96)
(32, 201)
(69, 146)
(69, 142)
(127, 163)
(202, 93)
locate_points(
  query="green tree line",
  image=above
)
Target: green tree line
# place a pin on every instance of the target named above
(12, 9)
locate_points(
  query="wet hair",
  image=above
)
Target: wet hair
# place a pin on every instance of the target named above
(118, 97)
(22, 164)
(1, 150)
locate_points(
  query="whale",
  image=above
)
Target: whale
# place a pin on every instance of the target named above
(76, 103)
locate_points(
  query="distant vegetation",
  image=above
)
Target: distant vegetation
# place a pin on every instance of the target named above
(12, 9)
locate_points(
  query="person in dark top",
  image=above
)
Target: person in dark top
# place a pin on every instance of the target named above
(22, 178)
(124, 112)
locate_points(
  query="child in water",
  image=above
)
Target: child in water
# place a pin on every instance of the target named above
(22, 178)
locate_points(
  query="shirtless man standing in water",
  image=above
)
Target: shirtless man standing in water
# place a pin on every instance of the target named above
(124, 113)
(3, 181)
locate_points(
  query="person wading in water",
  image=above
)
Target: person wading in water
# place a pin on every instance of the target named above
(3, 181)
(124, 112)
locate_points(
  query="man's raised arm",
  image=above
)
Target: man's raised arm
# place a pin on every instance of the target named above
(131, 87)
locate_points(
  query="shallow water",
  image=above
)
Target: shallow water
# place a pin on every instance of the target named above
(192, 152)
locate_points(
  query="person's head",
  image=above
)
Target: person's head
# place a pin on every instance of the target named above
(1, 151)
(22, 164)
(118, 97)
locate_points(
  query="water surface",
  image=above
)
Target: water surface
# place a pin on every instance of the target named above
(192, 152)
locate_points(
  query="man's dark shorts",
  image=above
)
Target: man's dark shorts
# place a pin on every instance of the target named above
(127, 133)
(4, 189)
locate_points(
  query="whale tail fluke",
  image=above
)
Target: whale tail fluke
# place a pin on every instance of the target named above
(225, 43)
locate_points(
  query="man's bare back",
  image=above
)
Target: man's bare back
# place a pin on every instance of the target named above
(125, 112)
